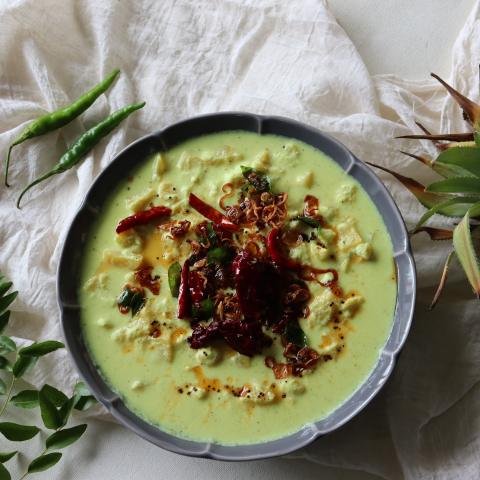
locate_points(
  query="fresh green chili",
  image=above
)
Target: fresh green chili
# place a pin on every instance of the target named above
(85, 143)
(60, 118)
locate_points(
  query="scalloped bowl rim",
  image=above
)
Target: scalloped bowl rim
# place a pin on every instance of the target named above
(163, 139)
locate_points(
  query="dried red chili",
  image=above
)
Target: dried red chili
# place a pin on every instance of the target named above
(184, 299)
(244, 337)
(143, 217)
(259, 287)
(144, 278)
(209, 212)
(276, 255)
(197, 289)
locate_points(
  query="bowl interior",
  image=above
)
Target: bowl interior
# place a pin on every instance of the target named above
(162, 140)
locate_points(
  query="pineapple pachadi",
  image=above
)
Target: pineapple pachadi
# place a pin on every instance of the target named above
(203, 394)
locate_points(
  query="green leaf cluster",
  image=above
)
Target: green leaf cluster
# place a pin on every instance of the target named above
(55, 406)
(457, 194)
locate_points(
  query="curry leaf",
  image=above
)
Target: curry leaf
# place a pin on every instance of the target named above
(462, 242)
(50, 415)
(137, 303)
(25, 399)
(4, 288)
(5, 457)
(222, 255)
(295, 334)
(310, 221)
(4, 321)
(57, 397)
(211, 235)
(4, 473)
(467, 158)
(5, 364)
(17, 433)
(23, 365)
(6, 301)
(465, 201)
(64, 438)
(260, 186)
(67, 408)
(7, 345)
(40, 349)
(125, 298)
(3, 387)
(455, 185)
(85, 402)
(204, 313)
(44, 462)
(174, 276)
(82, 390)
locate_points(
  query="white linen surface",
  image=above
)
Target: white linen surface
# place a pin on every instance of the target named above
(189, 57)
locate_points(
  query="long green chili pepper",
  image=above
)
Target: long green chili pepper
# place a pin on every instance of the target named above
(85, 143)
(60, 118)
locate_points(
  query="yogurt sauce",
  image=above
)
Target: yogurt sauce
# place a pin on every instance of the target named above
(194, 394)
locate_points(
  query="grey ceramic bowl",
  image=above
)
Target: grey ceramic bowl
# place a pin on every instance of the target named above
(162, 140)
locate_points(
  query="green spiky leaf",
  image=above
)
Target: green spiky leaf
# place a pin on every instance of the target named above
(465, 201)
(7, 300)
(23, 365)
(462, 242)
(57, 397)
(427, 199)
(467, 158)
(455, 185)
(50, 415)
(443, 280)
(4, 317)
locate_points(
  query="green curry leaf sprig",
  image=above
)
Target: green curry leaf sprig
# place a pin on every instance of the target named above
(457, 195)
(55, 406)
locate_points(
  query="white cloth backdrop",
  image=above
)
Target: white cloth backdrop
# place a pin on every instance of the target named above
(284, 58)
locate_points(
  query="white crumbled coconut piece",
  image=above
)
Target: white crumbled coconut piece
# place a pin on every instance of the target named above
(241, 360)
(263, 159)
(291, 387)
(188, 161)
(140, 385)
(136, 329)
(328, 277)
(210, 157)
(96, 282)
(206, 356)
(258, 394)
(158, 166)
(363, 251)
(197, 392)
(105, 322)
(346, 193)
(123, 259)
(130, 238)
(328, 213)
(317, 251)
(139, 202)
(348, 235)
(350, 306)
(167, 194)
(306, 179)
(326, 236)
(323, 308)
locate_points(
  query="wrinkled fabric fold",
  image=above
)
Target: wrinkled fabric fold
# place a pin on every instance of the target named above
(292, 59)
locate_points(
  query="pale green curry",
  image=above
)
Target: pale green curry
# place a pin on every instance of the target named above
(214, 393)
